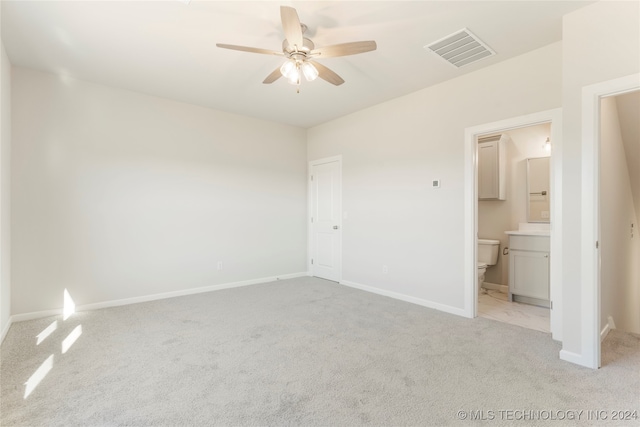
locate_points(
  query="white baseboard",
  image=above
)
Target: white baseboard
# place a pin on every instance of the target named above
(569, 356)
(146, 298)
(576, 358)
(608, 327)
(6, 329)
(36, 315)
(612, 324)
(604, 332)
(407, 298)
(502, 288)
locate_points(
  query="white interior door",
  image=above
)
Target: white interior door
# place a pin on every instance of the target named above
(326, 215)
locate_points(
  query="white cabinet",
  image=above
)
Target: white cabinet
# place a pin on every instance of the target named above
(492, 168)
(529, 268)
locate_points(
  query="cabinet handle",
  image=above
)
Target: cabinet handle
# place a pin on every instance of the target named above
(546, 255)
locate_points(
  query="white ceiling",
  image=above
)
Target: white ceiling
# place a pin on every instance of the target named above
(167, 48)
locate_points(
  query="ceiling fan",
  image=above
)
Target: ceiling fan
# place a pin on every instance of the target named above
(301, 52)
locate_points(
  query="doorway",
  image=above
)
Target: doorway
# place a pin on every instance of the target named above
(554, 117)
(514, 226)
(593, 328)
(325, 219)
(619, 184)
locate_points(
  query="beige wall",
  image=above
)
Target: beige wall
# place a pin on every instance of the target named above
(628, 113)
(619, 249)
(393, 151)
(5, 193)
(119, 195)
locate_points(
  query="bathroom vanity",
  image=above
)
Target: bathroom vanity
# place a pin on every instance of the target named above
(529, 266)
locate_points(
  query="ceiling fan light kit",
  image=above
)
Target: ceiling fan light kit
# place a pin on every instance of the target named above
(292, 69)
(300, 52)
(310, 72)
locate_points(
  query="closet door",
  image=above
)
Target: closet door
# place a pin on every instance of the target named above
(326, 215)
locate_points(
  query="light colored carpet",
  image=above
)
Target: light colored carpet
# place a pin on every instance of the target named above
(301, 352)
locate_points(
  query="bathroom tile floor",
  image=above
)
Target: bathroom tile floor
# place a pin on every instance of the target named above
(494, 305)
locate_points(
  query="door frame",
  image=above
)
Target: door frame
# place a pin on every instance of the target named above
(554, 117)
(310, 238)
(590, 255)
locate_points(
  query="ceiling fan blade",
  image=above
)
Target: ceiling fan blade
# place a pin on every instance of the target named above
(345, 49)
(275, 75)
(291, 26)
(249, 49)
(326, 74)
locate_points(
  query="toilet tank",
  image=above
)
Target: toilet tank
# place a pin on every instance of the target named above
(488, 251)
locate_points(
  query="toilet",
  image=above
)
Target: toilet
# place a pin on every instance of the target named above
(487, 257)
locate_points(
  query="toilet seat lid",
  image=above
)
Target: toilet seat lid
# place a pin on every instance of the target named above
(482, 265)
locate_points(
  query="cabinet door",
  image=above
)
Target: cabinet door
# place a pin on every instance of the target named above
(529, 274)
(488, 170)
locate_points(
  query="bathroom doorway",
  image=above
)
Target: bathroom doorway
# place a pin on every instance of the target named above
(547, 121)
(519, 211)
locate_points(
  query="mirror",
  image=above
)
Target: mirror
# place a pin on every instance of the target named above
(538, 189)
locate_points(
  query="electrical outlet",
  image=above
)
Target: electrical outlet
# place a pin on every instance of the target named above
(219, 265)
(385, 269)
(544, 214)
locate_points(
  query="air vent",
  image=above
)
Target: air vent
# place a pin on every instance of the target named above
(460, 48)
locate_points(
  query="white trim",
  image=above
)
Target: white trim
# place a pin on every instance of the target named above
(568, 356)
(324, 160)
(495, 287)
(470, 223)
(605, 332)
(36, 315)
(611, 323)
(590, 256)
(406, 298)
(471, 208)
(6, 329)
(310, 166)
(155, 297)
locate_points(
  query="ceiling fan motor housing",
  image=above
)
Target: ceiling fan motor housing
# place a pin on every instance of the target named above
(294, 51)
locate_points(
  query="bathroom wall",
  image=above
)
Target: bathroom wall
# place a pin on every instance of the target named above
(497, 216)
